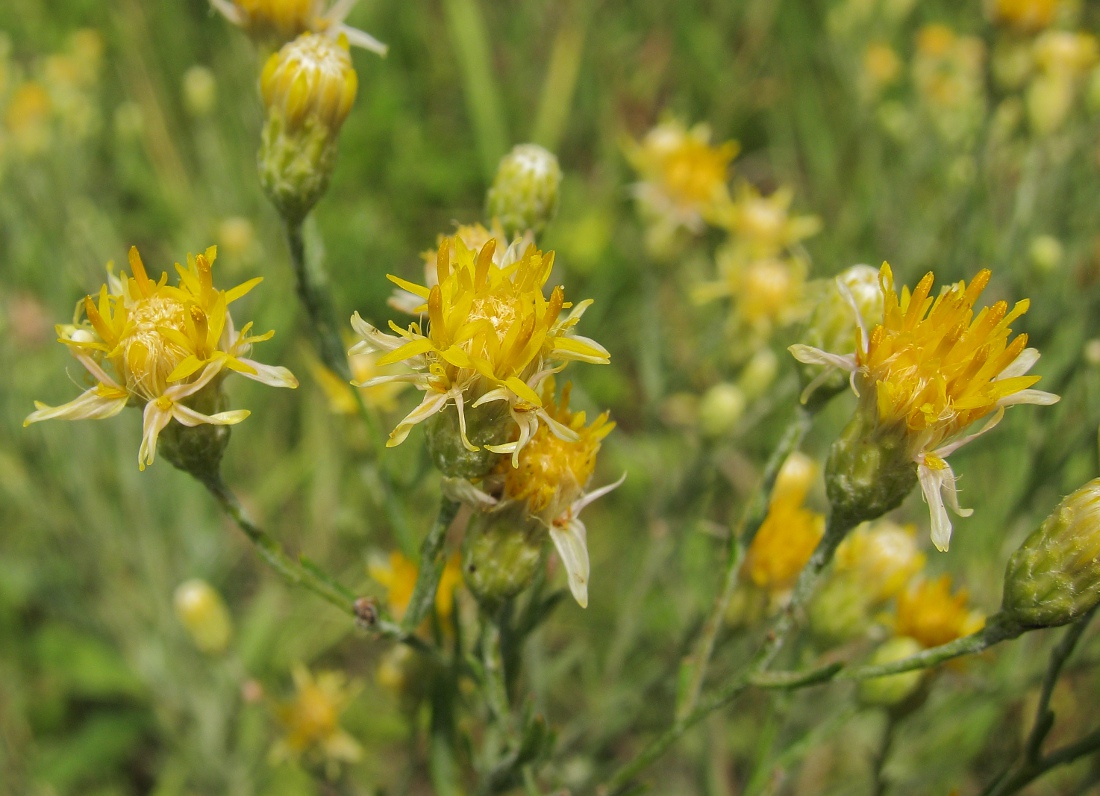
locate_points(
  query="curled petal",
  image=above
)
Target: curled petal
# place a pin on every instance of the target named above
(432, 403)
(808, 355)
(153, 421)
(1021, 364)
(190, 418)
(461, 490)
(571, 541)
(935, 483)
(98, 403)
(271, 375)
(1038, 397)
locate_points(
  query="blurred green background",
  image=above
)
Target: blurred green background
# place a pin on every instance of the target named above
(101, 690)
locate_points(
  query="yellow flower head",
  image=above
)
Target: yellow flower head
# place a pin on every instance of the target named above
(932, 368)
(279, 21)
(683, 177)
(763, 225)
(1065, 53)
(881, 67)
(882, 556)
(147, 343)
(790, 532)
(310, 77)
(27, 117)
(929, 613)
(492, 335)
(473, 237)
(398, 574)
(311, 720)
(553, 472)
(1026, 16)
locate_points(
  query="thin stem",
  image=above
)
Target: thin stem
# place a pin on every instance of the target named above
(1032, 771)
(313, 293)
(312, 287)
(751, 519)
(836, 528)
(996, 630)
(1033, 764)
(305, 573)
(1044, 716)
(879, 762)
(431, 565)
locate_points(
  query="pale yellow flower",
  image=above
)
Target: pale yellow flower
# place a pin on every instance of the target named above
(311, 720)
(148, 344)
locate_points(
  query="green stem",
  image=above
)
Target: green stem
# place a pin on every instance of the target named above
(312, 287)
(431, 566)
(1033, 770)
(999, 628)
(466, 26)
(561, 77)
(312, 291)
(1033, 764)
(305, 573)
(751, 519)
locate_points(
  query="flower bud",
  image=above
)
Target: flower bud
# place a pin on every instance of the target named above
(524, 195)
(200, 91)
(1046, 253)
(500, 553)
(759, 374)
(204, 615)
(867, 473)
(893, 688)
(833, 327)
(308, 88)
(722, 406)
(1054, 577)
(839, 611)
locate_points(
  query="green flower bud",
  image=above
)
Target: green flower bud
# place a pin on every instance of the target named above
(308, 88)
(722, 406)
(200, 91)
(500, 553)
(1054, 577)
(488, 424)
(893, 688)
(840, 611)
(198, 450)
(524, 195)
(868, 473)
(204, 615)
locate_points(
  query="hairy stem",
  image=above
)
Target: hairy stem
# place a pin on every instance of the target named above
(304, 573)
(431, 566)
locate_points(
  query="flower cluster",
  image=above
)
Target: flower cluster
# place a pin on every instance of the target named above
(761, 269)
(146, 343)
(492, 336)
(926, 373)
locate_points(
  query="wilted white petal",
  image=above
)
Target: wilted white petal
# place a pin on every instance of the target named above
(946, 450)
(432, 403)
(90, 405)
(571, 542)
(595, 494)
(809, 355)
(153, 421)
(271, 375)
(359, 38)
(1038, 397)
(190, 418)
(462, 491)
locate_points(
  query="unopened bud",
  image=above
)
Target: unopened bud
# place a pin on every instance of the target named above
(1054, 577)
(893, 688)
(308, 88)
(839, 611)
(203, 613)
(501, 552)
(1046, 252)
(759, 373)
(200, 91)
(720, 410)
(524, 195)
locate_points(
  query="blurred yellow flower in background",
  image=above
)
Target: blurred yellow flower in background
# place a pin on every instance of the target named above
(929, 613)
(397, 575)
(311, 719)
